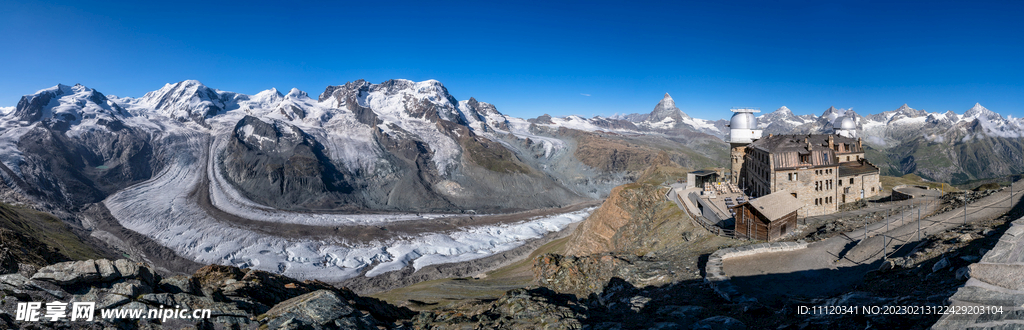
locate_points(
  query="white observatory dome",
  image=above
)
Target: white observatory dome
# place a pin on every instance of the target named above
(743, 120)
(845, 123)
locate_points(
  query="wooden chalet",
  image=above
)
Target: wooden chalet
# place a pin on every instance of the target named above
(767, 218)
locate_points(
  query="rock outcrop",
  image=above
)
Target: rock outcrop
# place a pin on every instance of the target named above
(594, 234)
(237, 298)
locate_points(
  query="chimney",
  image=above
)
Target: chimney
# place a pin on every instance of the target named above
(831, 143)
(859, 145)
(808, 143)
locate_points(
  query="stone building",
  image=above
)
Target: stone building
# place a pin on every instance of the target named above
(822, 171)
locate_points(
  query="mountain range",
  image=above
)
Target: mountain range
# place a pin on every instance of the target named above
(301, 186)
(943, 147)
(307, 186)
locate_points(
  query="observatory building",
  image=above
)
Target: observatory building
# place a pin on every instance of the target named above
(822, 171)
(846, 125)
(742, 131)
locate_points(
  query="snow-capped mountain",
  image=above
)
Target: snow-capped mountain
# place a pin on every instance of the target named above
(783, 120)
(188, 152)
(360, 141)
(938, 146)
(176, 163)
(667, 118)
(188, 100)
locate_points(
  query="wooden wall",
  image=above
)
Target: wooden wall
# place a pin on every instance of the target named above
(751, 224)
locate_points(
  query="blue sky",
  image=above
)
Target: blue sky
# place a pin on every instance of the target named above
(584, 57)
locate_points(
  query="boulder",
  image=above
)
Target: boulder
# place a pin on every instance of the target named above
(940, 265)
(682, 315)
(177, 284)
(963, 273)
(131, 288)
(212, 279)
(107, 270)
(719, 323)
(68, 273)
(316, 310)
(129, 269)
(539, 308)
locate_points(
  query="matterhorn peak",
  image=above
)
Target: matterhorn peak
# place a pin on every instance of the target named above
(666, 108)
(668, 101)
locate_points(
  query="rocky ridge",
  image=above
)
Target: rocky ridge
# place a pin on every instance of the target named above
(237, 298)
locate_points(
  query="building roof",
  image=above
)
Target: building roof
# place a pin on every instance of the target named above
(776, 205)
(856, 168)
(703, 172)
(799, 142)
(806, 150)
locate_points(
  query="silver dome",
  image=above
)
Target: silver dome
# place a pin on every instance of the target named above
(743, 120)
(845, 123)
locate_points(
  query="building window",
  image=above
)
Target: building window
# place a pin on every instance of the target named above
(840, 183)
(805, 158)
(847, 158)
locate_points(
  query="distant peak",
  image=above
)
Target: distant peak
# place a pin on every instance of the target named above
(783, 109)
(978, 107)
(79, 88)
(271, 91)
(60, 89)
(667, 97)
(295, 92)
(185, 84)
(905, 108)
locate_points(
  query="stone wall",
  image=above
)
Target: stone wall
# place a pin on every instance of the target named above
(714, 273)
(898, 195)
(993, 297)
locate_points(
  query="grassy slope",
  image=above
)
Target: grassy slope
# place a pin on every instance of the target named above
(47, 229)
(912, 179)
